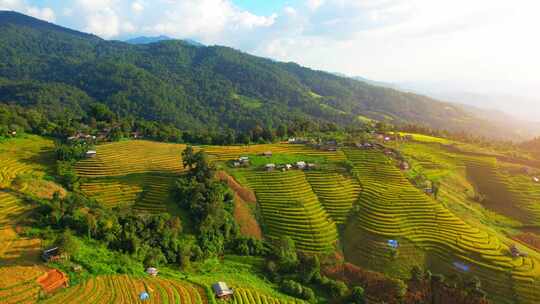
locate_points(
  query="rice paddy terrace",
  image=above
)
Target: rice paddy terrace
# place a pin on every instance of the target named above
(429, 234)
(515, 195)
(127, 289)
(137, 173)
(303, 205)
(290, 207)
(19, 256)
(249, 296)
(225, 153)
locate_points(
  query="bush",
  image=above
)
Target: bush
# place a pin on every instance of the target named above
(336, 288)
(358, 295)
(297, 290)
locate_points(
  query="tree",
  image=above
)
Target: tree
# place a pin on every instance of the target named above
(357, 295)
(67, 243)
(285, 251)
(309, 267)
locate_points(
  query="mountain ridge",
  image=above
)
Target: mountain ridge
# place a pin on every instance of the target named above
(194, 88)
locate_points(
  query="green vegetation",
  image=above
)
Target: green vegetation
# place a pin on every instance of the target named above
(63, 80)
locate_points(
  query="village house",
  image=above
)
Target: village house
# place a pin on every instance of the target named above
(301, 165)
(52, 254)
(243, 160)
(311, 166)
(270, 167)
(222, 291)
(404, 166)
(288, 166)
(536, 179)
(90, 153)
(267, 154)
(152, 271)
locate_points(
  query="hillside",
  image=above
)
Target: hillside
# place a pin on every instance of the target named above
(57, 70)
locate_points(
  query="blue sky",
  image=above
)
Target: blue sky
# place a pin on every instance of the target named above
(477, 46)
(263, 7)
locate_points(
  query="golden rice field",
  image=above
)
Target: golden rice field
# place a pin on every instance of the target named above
(137, 173)
(513, 195)
(132, 157)
(18, 284)
(391, 208)
(225, 153)
(290, 207)
(250, 296)
(336, 192)
(126, 289)
(29, 154)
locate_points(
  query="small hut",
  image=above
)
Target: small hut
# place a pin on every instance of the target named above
(90, 154)
(301, 165)
(270, 167)
(222, 291)
(52, 254)
(152, 271)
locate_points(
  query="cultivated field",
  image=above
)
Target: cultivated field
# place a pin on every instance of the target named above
(391, 208)
(514, 195)
(225, 153)
(290, 207)
(137, 173)
(126, 289)
(249, 296)
(336, 192)
(30, 156)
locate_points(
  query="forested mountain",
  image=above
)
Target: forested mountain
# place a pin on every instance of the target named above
(58, 71)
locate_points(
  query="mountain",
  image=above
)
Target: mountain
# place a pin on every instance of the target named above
(61, 72)
(147, 40)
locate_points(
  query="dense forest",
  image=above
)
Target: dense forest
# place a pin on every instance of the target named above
(53, 80)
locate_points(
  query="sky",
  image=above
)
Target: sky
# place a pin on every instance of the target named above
(482, 46)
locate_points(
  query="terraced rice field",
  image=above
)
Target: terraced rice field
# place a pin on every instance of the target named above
(290, 207)
(336, 192)
(24, 155)
(157, 192)
(126, 289)
(14, 248)
(391, 208)
(139, 174)
(249, 296)
(225, 153)
(132, 157)
(112, 193)
(18, 284)
(516, 196)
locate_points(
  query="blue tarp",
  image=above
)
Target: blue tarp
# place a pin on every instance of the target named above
(461, 266)
(144, 295)
(393, 243)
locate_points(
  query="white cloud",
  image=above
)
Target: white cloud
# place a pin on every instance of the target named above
(104, 23)
(46, 13)
(207, 20)
(137, 7)
(10, 4)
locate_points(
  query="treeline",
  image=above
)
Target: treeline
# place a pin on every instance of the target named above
(100, 124)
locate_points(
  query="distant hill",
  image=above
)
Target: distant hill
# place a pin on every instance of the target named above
(148, 40)
(55, 70)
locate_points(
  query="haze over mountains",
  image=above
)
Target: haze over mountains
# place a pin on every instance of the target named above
(54, 69)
